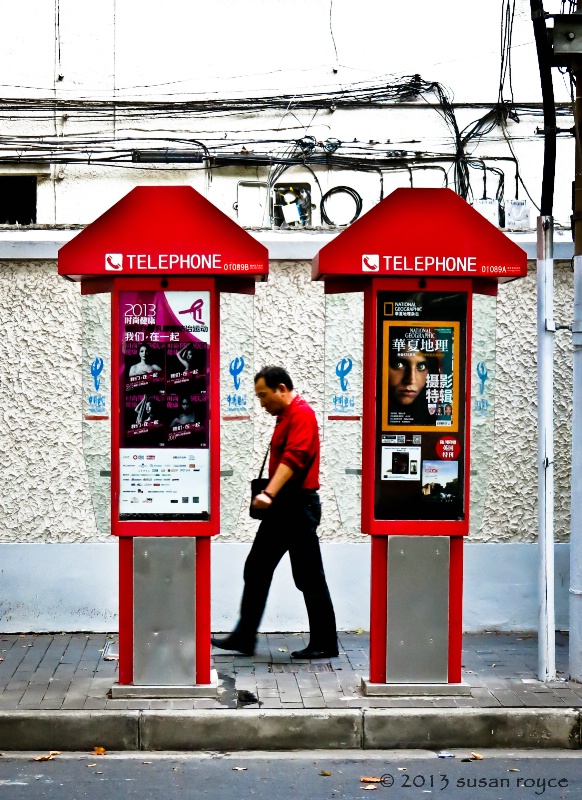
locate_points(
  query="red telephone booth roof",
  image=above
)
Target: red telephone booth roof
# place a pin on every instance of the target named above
(422, 232)
(163, 230)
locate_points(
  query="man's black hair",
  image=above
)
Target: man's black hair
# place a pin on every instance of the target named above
(273, 376)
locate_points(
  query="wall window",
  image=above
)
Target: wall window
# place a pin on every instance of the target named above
(17, 200)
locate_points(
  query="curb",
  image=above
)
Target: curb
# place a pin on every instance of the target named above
(278, 729)
(69, 730)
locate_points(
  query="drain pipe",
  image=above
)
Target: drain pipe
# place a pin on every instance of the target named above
(546, 329)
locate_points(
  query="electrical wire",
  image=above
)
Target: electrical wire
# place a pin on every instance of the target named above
(340, 190)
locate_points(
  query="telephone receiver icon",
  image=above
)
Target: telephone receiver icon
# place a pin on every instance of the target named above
(368, 265)
(112, 265)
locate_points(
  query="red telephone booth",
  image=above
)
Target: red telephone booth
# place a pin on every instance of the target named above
(419, 257)
(164, 254)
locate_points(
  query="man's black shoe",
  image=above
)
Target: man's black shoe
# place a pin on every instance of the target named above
(232, 643)
(312, 652)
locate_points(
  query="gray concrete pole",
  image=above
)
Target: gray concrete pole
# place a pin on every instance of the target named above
(546, 328)
(575, 604)
(575, 661)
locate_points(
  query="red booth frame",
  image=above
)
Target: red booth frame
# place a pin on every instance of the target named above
(164, 219)
(342, 264)
(202, 530)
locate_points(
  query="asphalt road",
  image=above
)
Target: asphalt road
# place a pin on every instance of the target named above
(317, 775)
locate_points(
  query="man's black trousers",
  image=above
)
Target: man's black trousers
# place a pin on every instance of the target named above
(289, 525)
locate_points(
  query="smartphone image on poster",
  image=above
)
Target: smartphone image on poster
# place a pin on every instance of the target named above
(400, 462)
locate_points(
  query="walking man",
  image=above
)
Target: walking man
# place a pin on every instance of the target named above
(292, 514)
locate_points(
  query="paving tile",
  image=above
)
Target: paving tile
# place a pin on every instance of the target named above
(95, 703)
(485, 699)
(266, 681)
(160, 704)
(117, 703)
(465, 702)
(182, 705)
(263, 693)
(73, 703)
(271, 702)
(52, 705)
(567, 696)
(134, 705)
(9, 700)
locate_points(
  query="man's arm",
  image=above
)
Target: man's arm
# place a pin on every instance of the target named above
(282, 474)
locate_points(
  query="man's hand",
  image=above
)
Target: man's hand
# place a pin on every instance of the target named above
(262, 500)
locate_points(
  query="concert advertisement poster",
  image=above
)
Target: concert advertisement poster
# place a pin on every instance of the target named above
(163, 391)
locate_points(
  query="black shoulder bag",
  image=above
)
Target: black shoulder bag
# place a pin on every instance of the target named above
(259, 485)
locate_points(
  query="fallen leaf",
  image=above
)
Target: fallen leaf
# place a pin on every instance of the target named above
(283, 650)
(1, 659)
(360, 630)
(368, 788)
(91, 765)
(239, 769)
(50, 757)
(325, 774)
(477, 756)
(513, 769)
(98, 773)
(99, 751)
(146, 762)
(371, 779)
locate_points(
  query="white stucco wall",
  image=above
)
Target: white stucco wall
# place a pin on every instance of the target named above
(49, 496)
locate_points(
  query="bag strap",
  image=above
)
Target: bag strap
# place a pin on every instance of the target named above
(264, 462)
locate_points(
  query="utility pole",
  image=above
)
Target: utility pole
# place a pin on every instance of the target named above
(546, 328)
(575, 605)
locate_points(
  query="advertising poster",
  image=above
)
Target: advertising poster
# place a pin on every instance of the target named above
(164, 414)
(421, 376)
(420, 414)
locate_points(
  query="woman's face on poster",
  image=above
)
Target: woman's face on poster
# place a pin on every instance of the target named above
(143, 352)
(407, 377)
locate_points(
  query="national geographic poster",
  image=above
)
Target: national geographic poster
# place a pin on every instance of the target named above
(164, 395)
(420, 376)
(420, 415)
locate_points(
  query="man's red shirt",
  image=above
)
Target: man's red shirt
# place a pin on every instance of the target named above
(295, 443)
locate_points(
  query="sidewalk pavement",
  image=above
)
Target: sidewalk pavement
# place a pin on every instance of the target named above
(54, 695)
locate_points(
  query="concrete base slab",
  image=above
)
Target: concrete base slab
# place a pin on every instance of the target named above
(414, 689)
(128, 691)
